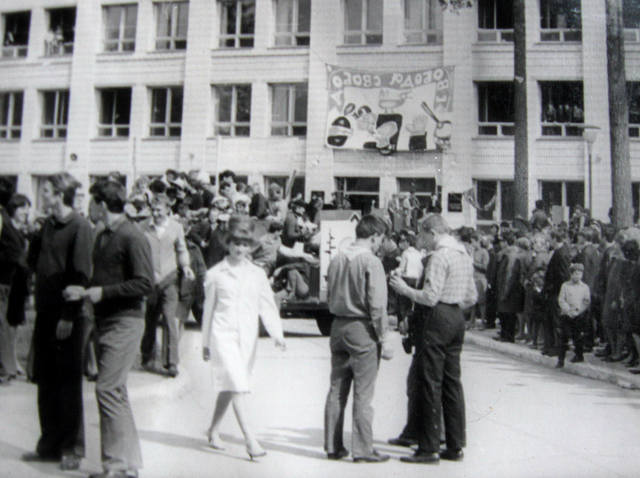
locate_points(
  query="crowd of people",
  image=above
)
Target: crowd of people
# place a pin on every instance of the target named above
(179, 246)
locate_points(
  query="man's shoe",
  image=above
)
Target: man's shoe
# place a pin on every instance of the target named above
(172, 371)
(577, 358)
(70, 462)
(452, 455)
(375, 457)
(110, 474)
(634, 371)
(338, 455)
(402, 441)
(421, 457)
(32, 456)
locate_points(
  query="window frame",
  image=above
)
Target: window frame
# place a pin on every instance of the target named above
(12, 131)
(58, 130)
(282, 181)
(54, 47)
(15, 50)
(290, 124)
(233, 124)
(492, 34)
(167, 125)
(122, 40)
(497, 213)
(431, 14)
(564, 193)
(364, 31)
(631, 32)
(558, 34)
(238, 37)
(501, 128)
(403, 185)
(343, 181)
(295, 37)
(634, 127)
(558, 128)
(113, 127)
(174, 42)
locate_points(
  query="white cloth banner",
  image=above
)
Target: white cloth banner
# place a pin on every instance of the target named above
(388, 112)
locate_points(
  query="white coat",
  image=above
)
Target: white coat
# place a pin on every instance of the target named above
(236, 296)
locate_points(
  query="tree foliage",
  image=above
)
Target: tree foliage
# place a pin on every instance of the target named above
(456, 5)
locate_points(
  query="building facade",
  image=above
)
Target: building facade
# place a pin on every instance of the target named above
(94, 86)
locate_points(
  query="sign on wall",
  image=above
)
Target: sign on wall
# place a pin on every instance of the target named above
(388, 112)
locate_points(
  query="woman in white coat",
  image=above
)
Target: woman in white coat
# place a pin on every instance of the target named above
(237, 294)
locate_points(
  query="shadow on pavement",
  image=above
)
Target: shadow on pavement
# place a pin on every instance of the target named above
(9, 452)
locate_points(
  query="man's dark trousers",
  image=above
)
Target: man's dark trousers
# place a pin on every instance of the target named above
(118, 342)
(163, 301)
(439, 382)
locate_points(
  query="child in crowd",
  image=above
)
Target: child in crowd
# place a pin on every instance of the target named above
(574, 301)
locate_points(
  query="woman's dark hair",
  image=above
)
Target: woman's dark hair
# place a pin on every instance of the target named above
(631, 250)
(157, 186)
(16, 202)
(407, 235)
(370, 225)
(111, 193)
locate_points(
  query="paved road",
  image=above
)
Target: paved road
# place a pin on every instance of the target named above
(523, 420)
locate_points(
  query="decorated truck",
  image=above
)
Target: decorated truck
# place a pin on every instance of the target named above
(337, 228)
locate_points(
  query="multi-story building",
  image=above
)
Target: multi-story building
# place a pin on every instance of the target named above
(141, 86)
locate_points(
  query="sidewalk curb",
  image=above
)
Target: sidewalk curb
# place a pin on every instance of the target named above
(604, 373)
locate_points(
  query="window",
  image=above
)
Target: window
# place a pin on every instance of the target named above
(422, 22)
(233, 110)
(495, 21)
(567, 194)
(362, 193)
(296, 189)
(560, 20)
(562, 108)
(635, 200)
(10, 115)
(171, 25)
(496, 200)
(166, 112)
(289, 110)
(55, 114)
(363, 22)
(15, 41)
(495, 109)
(59, 38)
(425, 190)
(115, 111)
(237, 26)
(631, 20)
(633, 99)
(120, 27)
(293, 22)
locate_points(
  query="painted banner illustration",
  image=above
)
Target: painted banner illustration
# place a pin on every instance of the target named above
(388, 112)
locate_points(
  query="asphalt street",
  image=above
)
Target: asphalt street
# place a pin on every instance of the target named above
(524, 420)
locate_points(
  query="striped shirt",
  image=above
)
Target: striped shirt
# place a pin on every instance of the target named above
(448, 277)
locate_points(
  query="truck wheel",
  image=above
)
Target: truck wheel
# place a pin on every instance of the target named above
(324, 325)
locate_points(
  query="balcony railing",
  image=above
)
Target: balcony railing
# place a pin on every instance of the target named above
(561, 34)
(493, 35)
(56, 48)
(423, 37)
(112, 130)
(490, 128)
(562, 129)
(632, 35)
(14, 51)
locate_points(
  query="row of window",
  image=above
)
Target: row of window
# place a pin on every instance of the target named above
(232, 111)
(562, 110)
(561, 106)
(560, 20)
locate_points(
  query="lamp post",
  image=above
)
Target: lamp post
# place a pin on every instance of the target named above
(590, 133)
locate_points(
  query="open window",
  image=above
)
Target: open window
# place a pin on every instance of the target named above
(562, 108)
(495, 21)
(495, 108)
(293, 22)
(560, 20)
(237, 23)
(61, 32)
(363, 22)
(15, 39)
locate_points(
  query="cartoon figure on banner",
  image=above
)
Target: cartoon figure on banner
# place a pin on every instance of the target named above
(388, 124)
(418, 133)
(443, 130)
(341, 129)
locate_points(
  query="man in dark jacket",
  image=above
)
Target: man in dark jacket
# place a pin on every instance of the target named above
(123, 276)
(557, 273)
(62, 257)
